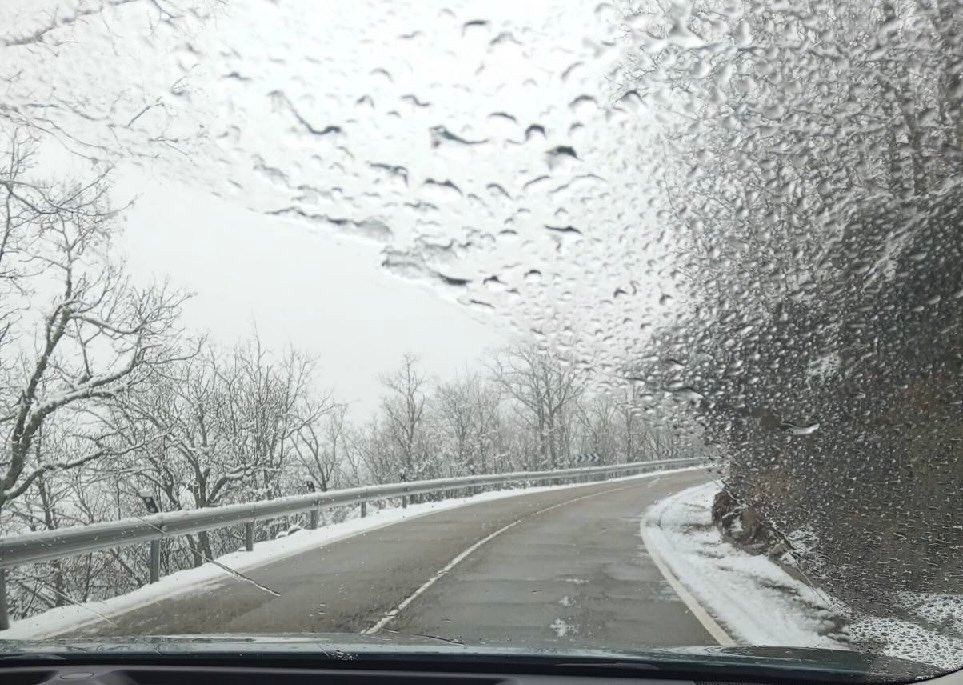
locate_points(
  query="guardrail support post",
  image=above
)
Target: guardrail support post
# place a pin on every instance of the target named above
(154, 561)
(313, 519)
(364, 509)
(404, 501)
(4, 612)
(249, 536)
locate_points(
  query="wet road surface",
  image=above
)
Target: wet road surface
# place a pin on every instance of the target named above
(557, 568)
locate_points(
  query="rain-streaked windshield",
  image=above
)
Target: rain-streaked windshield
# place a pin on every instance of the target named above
(563, 327)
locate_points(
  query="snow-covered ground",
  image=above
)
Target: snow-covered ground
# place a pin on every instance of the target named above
(756, 602)
(937, 639)
(64, 619)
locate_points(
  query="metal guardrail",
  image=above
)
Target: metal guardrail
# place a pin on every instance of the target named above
(64, 542)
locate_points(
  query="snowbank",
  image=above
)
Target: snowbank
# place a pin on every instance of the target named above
(754, 600)
(64, 619)
(758, 603)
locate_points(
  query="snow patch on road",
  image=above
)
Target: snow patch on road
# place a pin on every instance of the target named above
(756, 601)
(206, 577)
(562, 628)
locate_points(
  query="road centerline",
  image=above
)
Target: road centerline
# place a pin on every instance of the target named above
(390, 615)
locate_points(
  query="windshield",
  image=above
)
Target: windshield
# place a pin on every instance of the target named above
(625, 328)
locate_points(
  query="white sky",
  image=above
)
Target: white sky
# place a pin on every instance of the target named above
(323, 293)
(306, 108)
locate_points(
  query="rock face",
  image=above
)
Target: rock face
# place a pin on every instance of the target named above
(743, 525)
(723, 508)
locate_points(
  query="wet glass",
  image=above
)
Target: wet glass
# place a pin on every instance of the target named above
(254, 250)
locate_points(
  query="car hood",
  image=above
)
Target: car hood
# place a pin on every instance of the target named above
(336, 650)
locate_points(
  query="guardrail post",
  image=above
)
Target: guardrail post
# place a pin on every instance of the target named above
(313, 519)
(154, 561)
(364, 509)
(4, 612)
(249, 536)
(404, 501)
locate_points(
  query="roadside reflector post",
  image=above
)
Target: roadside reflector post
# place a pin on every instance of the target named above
(364, 509)
(4, 612)
(313, 519)
(249, 536)
(154, 562)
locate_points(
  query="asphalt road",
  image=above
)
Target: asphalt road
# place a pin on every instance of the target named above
(558, 568)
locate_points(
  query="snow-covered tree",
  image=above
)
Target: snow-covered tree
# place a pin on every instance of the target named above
(73, 330)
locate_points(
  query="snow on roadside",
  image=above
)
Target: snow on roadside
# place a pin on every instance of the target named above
(63, 619)
(942, 648)
(755, 600)
(760, 604)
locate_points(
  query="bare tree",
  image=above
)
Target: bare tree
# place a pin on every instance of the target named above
(321, 448)
(597, 416)
(369, 450)
(404, 411)
(546, 387)
(266, 407)
(75, 331)
(468, 408)
(98, 118)
(184, 455)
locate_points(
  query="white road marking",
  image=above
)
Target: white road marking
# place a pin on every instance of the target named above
(709, 623)
(393, 613)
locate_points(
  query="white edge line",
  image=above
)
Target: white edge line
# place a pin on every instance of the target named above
(709, 623)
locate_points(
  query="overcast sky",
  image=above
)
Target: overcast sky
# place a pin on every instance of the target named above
(323, 293)
(340, 174)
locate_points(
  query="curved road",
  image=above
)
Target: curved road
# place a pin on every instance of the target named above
(556, 568)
